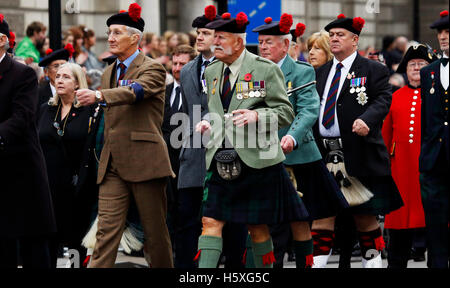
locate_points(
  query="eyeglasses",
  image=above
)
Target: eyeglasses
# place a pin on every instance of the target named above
(418, 64)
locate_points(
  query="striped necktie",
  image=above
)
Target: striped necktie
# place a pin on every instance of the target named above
(122, 71)
(226, 88)
(330, 104)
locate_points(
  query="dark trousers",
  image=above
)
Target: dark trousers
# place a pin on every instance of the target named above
(33, 251)
(234, 240)
(282, 240)
(345, 237)
(435, 188)
(188, 226)
(399, 247)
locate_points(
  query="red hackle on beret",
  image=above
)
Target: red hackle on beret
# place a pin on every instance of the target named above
(300, 29)
(358, 23)
(1, 18)
(444, 13)
(134, 11)
(210, 12)
(286, 22)
(123, 11)
(226, 16)
(12, 39)
(341, 16)
(241, 19)
(70, 49)
(49, 51)
(268, 20)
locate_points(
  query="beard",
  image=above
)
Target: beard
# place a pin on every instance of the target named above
(227, 51)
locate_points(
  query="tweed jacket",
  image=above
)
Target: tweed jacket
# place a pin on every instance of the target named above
(133, 119)
(258, 146)
(306, 108)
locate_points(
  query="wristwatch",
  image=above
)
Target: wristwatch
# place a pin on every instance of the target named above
(98, 96)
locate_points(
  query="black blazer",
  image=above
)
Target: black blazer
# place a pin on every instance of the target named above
(435, 134)
(364, 156)
(45, 93)
(25, 207)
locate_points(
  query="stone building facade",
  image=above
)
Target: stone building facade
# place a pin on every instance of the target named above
(383, 17)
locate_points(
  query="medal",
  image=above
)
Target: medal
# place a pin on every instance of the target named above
(362, 98)
(358, 90)
(239, 90)
(257, 88)
(263, 88)
(352, 91)
(432, 90)
(251, 94)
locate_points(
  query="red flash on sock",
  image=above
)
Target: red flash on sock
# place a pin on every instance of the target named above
(269, 258)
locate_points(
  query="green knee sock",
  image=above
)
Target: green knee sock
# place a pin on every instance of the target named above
(263, 254)
(303, 253)
(209, 249)
(249, 260)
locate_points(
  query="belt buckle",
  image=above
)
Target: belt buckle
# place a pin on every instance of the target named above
(332, 144)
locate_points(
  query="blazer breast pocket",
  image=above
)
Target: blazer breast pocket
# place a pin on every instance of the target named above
(145, 136)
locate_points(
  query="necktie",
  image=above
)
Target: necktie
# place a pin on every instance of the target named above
(122, 71)
(176, 101)
(205, 64)
(330, 104)
(444, 61)
(226, 88)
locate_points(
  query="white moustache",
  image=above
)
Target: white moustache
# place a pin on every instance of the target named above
(226, 51)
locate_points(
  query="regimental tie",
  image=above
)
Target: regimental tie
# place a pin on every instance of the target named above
(330, 104)
(123, 69)
(176, 101)
(226, 88)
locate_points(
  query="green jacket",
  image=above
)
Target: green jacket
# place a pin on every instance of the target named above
(27, 49)
(306, 105)
(258, 147)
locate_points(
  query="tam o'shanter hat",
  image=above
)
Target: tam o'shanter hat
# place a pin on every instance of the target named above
(131, 18)
(353, 25)
(276, 28)
(298, 31)
(442, 22)
(209, 16)
(60, 54)
(418, 51)
(236, 25)
(4, 27)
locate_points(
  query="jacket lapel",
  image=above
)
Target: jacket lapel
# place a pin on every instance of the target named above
(287, 68)
(322, 79)
(194, 73)
(5, 65)
(356, 67)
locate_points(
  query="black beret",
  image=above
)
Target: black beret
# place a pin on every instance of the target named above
(416, 52)
(131, 18)
(276, 28)
(442, 22)
(236, 25)
(60, 54)
(210, 16)
(4, 28)
(353, 25)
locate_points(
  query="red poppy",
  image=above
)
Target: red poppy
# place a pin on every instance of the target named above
(248, 77)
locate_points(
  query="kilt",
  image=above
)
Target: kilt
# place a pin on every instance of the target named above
(257, 196)
(321, 195)
(386, 197)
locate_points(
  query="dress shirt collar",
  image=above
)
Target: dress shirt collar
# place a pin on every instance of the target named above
(281, 61)
(129, 60)
(347, 62)
(235, 67)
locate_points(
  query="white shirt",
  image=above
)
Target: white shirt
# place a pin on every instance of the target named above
(52, 88)
(1, 59)
(444, 74)
(347, 64)
(172, 96)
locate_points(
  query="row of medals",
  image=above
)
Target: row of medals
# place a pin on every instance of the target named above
(248, 90)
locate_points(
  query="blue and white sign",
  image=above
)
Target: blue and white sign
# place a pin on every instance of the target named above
(257, 11)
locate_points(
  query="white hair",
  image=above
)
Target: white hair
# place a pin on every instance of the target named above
(243, 36)
(6, 46)
(132, 31)
(287, 36)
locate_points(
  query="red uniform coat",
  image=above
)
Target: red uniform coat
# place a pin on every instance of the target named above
(401, 133)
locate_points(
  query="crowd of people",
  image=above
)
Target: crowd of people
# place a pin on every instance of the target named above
(148, 146)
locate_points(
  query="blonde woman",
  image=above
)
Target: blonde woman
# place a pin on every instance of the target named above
(63, 128)
(319, 49)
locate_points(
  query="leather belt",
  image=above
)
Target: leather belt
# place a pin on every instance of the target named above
(332, 144)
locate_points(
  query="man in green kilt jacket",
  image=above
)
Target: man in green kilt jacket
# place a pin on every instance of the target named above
(320, 193)
(246, 181)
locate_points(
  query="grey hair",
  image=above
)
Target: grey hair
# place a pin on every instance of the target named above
(6, 47)
(287, 36)
(132, 31)
(243, 36)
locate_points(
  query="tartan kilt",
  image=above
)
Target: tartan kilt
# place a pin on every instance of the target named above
(321, 195)
(257, 196)
(386, 197)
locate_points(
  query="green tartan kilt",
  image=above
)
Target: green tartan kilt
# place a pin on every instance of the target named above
(257, 196)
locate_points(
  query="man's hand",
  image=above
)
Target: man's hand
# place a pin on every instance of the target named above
(202, 127)
(287, 144)
(86, 97)
(360, 128)
(244, 117)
